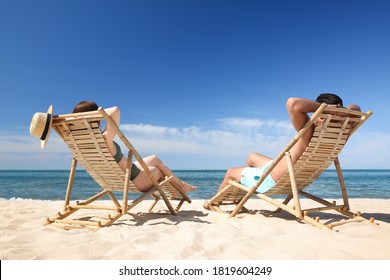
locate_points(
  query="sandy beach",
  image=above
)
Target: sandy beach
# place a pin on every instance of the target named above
(194, 234)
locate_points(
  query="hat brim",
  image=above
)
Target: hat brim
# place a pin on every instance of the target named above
(50, 115)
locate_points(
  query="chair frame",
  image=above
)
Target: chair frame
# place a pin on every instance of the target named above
(237, 194)
(88, 121)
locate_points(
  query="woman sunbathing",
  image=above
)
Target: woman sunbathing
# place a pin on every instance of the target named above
(138, 175)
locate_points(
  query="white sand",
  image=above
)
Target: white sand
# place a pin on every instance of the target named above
(194, 234)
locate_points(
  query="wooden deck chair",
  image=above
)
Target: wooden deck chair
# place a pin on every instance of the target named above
(82, 134)
(325, 146)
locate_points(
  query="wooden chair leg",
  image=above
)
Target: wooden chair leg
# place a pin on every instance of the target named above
(70, 182)
(294, 188)
(285, 202)
(127, 182)
(342, 183)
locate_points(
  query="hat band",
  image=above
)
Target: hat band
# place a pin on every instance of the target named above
(46, 130)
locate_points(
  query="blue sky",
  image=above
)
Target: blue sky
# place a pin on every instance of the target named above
(200, 83)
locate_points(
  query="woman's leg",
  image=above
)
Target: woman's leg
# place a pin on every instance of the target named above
(154, 161)
(143, 182)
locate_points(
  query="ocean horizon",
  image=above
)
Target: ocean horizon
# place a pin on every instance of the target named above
(52, 184)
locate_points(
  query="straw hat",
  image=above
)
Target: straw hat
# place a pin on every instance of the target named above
(41, 124)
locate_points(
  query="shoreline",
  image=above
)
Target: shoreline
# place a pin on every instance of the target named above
(194, 234)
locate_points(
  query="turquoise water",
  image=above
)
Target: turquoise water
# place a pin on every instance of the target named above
(51, 185)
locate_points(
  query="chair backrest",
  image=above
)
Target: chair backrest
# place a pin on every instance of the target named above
(82, 134)
(327, 142)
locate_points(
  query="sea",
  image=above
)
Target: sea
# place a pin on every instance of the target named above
(52, 184)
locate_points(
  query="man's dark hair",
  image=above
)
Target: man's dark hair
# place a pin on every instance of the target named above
(329, 98)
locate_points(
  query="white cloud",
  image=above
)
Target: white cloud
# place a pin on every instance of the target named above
(367, 151)
(230, 137)
(23, 151)
(245, 124)
(223, 143)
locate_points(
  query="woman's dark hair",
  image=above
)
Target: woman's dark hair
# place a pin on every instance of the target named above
(329, 98)
(85, 106)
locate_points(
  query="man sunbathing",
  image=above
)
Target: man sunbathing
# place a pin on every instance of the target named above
(256, 164)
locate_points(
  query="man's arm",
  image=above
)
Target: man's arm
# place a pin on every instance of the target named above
(354, 107)
(298, 109)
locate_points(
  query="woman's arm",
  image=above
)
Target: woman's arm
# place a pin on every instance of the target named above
(115, 114)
